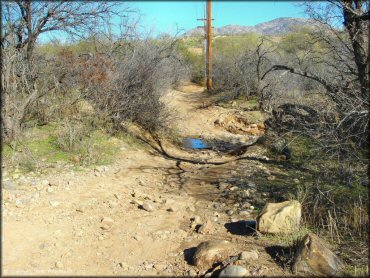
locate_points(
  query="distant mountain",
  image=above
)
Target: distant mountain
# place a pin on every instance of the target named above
(277, 26)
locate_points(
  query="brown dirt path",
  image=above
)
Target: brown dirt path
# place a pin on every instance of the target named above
(54, 228)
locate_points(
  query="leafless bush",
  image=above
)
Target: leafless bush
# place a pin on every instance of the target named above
(128, 85)
(335, 62)
(26, 77)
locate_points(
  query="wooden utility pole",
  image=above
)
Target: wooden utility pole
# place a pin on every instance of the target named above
(209, 45)
(207, 25)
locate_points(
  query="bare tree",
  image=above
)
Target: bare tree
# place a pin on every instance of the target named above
(340, 65)
(30, 19)
(23, 22)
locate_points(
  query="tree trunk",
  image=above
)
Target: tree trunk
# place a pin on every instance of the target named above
(357, 28)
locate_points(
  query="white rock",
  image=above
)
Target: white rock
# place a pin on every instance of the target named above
(19, 204)
(54, 204)
(148, 206)
(106, 223)
(160, 267)
(196, 219)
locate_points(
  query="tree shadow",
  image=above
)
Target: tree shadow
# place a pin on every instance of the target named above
(242, 228)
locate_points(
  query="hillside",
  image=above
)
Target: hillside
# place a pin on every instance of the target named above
(274, 27)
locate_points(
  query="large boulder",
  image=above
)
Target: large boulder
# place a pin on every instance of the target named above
(279, 218)
(210, 252)
(313, 257)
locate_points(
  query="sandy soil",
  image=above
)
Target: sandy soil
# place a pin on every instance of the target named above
(52, 225)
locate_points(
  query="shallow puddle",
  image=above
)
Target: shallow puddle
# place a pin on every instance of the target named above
(194, 143)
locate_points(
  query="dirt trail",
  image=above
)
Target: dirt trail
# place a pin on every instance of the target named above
(54, 227)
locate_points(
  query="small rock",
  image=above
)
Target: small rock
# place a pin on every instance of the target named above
(19, 204)
(213, 251)
(58, 264)
(148, 206)
(196, 219)
(296, 181)
(206, 228)
(190, 208)
(192, 272)
(54, 204)
(271, 178)
(160, 267)
(234, 271)
(248, 255)
(229, 212)
(106, 223)
(49, 189)
(171, 209)
(137, 202)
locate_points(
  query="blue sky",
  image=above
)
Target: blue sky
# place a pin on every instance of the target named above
(163, 16)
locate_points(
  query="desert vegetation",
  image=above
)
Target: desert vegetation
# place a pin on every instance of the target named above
(313, 83)
(302, 95)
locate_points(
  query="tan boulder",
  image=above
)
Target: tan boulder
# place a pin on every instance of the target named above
(210, 252)
(313, 257)
(279, 218)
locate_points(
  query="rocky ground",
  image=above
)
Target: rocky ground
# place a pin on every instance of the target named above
(145, 214)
